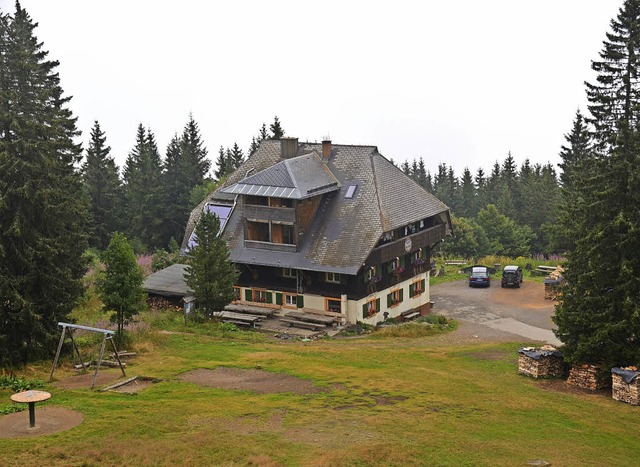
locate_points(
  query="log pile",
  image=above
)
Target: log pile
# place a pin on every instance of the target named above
(588, 377)
(542, 362)
(553, 283)
(626, 385)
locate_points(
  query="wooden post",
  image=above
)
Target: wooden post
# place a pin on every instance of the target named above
(76, 348)
(115, 351)
(95, 375)
(55, 360)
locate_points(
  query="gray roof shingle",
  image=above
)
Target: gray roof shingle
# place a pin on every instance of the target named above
(344, 230)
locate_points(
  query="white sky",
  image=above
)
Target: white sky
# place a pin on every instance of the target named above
(460, 82)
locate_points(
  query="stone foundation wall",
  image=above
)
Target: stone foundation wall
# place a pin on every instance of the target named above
(588, 377)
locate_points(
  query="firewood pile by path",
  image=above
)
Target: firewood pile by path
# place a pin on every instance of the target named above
(552, 283)
(626, 385)
(542, 362)
(589, 377)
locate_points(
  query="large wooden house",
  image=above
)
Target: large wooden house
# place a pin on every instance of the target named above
(329, 228)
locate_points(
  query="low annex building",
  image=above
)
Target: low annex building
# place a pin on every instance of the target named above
(331, 228)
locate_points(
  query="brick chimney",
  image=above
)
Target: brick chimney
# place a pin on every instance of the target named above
(288, 147)
(326, 147)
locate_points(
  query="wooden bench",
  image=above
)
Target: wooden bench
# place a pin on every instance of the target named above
(410, 314)
(303, 324)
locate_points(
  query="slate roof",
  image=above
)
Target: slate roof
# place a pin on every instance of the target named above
(344, 231)
(169, 282)
(297, 178)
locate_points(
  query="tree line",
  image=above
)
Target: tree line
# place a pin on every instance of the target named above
(510, 211)
(153, 196)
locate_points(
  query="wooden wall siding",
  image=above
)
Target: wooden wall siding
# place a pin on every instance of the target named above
(257, 231)
(266, 213)
(422, 239)
(276, 233)
(305, 212)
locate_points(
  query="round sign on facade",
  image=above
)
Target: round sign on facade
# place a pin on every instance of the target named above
(407, 245)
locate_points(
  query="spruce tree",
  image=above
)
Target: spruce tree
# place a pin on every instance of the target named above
(185, 167)
(614, 100)
(42, 211)
(222, 164)
(143, 185)
(237, 157)
(209, 273)
(277, 131)
(467, 195)
(597, 317)
(103, 188)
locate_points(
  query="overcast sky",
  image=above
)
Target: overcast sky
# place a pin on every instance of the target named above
(460, 82)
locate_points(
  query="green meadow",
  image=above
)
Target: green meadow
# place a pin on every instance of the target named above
(386, 401)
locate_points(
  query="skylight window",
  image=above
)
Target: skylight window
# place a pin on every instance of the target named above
(350, 191)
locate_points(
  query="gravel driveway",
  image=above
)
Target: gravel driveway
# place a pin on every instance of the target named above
(520, 312)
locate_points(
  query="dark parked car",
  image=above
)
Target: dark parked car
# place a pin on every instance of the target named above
(479, 277)
(511, 276)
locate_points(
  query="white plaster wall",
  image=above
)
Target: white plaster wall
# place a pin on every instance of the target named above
(355, 306)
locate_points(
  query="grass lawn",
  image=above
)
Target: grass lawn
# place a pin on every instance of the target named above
(387, 401)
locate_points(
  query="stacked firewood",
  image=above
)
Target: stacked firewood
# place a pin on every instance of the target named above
(626, 385)
(542, 362)
(588, 377)
(552, 284)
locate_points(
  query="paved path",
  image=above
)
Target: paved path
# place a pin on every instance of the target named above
(523, 312)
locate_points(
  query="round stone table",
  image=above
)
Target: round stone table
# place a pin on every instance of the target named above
(31, 397)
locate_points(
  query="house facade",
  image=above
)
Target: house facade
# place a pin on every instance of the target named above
(334, 229)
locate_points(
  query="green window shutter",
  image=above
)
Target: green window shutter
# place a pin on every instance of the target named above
(401, 294)
(300, 301)
(248, 296)
(269, 296)
(411, 290)
(377, 304)
(364, 311)
(389, 300)
(278, 298)
(423, 282)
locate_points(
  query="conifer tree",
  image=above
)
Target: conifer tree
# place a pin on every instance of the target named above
(103, 187)
(467, 195)
(185, 167)
(143, 196)
(237, 157)
(406, 168)
(222, 164)
(209, 273)
(597, 318)
(277, 132)
(42, 210)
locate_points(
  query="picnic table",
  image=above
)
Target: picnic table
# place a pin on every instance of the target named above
(253, 310)
(310, 317)
(238, 318)
(31, 397)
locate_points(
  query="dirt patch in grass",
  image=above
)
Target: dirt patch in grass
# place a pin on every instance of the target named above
(258, 381)
(48, 420)
(84, 380)
(134, 386)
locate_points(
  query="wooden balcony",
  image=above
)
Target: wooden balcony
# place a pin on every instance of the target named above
(389, 251)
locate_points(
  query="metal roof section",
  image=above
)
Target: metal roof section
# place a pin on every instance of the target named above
(168, 282)
(297, 178)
